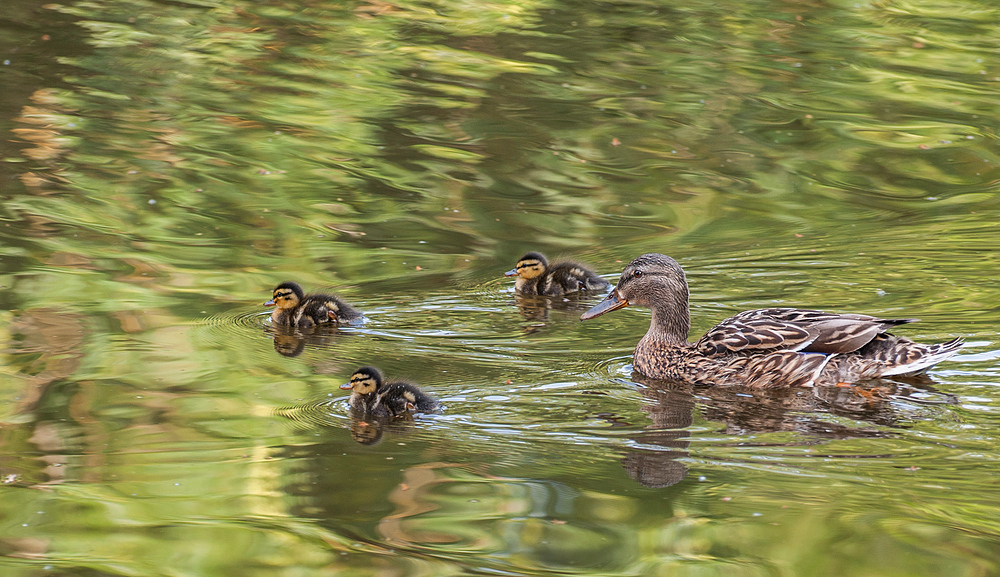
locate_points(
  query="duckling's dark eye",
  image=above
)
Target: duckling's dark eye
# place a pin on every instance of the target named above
(637, 273)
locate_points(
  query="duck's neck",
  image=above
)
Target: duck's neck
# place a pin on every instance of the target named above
(671, 318)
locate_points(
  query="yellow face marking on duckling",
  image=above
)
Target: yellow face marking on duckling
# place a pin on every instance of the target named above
(529, 269)
(284, 299)
(361, 383)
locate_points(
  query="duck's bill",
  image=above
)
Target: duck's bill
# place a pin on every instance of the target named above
(346, 386)
(613, 301)
(511, 272)
(270, 303)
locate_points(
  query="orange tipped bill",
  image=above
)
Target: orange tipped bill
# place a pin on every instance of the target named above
(511, 272)
(613, 301)
(346, 386)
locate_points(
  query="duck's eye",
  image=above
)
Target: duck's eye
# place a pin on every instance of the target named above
(637, 273)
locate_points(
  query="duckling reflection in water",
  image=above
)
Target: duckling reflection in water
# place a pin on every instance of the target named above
(371, 395)
(291, 341)
(297, 309)
(535, 276)
(776, 347)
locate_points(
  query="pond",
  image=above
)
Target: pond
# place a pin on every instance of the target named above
(167, 163)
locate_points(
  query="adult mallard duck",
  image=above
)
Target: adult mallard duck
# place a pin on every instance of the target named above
(297, 309)
(760, 348)
(536, 277)
(371, 395)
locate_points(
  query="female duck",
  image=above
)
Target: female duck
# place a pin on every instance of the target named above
(372, 396)
(760, 348)
(536, 277)
(297, 309)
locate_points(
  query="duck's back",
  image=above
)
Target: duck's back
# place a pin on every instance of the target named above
(566, 277)
(793, 329)
(318, 308)
(399, 396)
(791, 347)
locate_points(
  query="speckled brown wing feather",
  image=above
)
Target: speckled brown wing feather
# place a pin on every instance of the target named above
(794, 330)
(735, 335)
(785, 369)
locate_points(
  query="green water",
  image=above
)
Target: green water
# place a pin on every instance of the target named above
(167, 163)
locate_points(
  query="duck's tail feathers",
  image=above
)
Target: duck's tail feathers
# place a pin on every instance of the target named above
(925, 357)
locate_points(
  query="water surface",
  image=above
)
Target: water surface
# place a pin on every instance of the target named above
(166, 164)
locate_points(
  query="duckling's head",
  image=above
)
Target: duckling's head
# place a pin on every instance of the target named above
(651, 280)
(529, 266)
(287, 295)
(364, 381)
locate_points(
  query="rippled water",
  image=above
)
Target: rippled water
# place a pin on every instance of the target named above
(166, 164)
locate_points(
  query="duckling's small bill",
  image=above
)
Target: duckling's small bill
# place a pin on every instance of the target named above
(511, 272)
(613, 301)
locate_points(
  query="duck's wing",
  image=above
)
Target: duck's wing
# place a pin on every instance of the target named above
(784, 368)
(790, 329)
(754, 331)
(573, 276)
(418, 400)
(331, 307)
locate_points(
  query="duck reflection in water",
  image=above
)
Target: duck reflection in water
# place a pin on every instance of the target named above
(535, 309)
(368, 430)
(655, 461)
(291, 341)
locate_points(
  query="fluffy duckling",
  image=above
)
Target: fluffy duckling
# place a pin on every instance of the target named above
(760, 348)
(371, 395)
(297, 309)
(536, 277)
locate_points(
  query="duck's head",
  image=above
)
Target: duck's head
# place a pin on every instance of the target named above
(364, 381)
(651, 280)
(529, 266)
(287, 295)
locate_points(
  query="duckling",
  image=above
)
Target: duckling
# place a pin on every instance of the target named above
(371, 395)
(536, 277)
(760, 348)
(297, 309)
